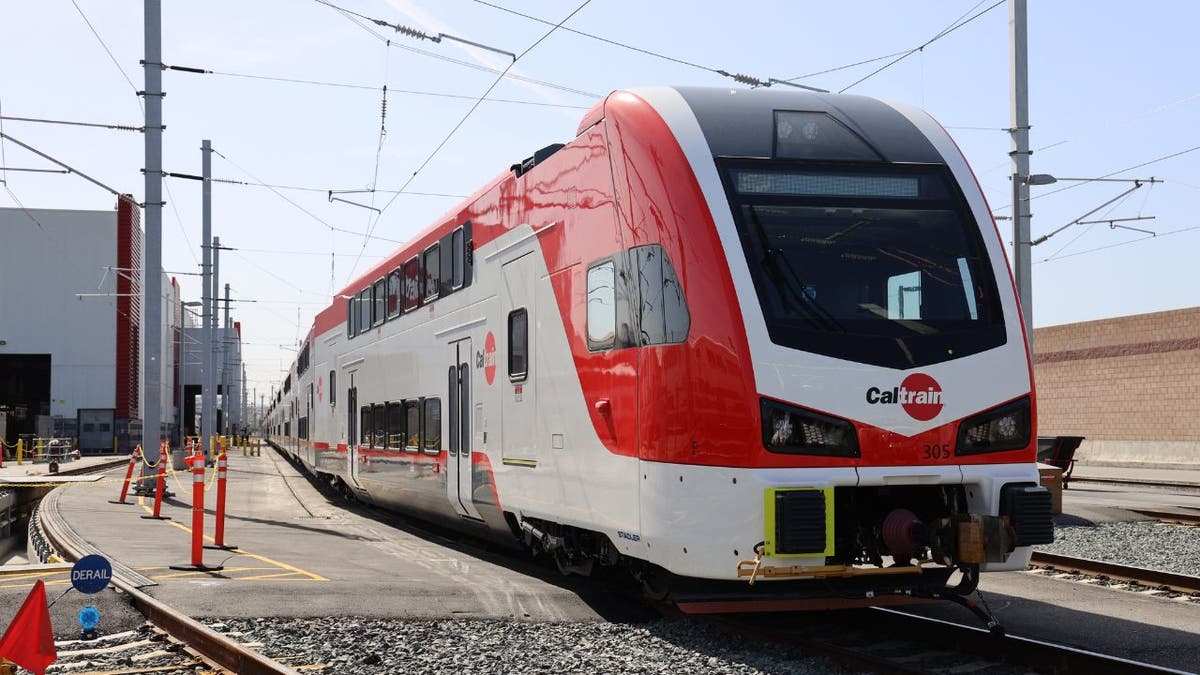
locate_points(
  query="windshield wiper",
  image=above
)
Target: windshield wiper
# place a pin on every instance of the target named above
(792, 288)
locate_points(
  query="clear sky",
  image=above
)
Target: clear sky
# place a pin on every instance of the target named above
(1112, 85)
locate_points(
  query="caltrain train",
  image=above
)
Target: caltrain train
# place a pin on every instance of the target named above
(760, 347)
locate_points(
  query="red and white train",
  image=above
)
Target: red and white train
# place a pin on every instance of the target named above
(755, 345)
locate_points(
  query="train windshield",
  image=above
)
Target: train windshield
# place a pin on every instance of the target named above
(882, 265)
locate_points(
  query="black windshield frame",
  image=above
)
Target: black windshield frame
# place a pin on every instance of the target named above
(867, 329)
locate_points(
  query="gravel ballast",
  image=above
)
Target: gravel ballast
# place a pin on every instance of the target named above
(1160, 546)
(356, 646)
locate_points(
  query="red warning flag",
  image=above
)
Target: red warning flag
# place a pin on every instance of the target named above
(29, 640)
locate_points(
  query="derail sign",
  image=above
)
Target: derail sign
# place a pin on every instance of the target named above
(91, 574)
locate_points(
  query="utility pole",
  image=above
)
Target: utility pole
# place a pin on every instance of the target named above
(152, 270)
(216, 343)
(1022, 265)
(225, 375)
(242, 417)
(209, 394)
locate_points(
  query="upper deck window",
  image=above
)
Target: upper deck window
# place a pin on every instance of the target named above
(432, 267)
(878, 264)
(412, 284)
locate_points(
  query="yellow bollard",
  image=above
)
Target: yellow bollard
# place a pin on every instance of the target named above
(116, 446)
(38, 446)
(20, 450)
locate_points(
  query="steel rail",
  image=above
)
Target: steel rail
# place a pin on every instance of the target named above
(217, 648)
(1182, 583)
(1180, 486)
(1176, 517)
(1024, 651)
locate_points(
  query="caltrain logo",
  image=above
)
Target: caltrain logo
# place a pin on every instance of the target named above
(919, 394)
(489, 357)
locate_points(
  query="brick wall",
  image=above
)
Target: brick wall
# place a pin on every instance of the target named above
(1133, 378)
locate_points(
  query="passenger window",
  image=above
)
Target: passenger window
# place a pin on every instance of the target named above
(379, 294)
(332, 388)
(351, 317)
(379, 440)
(433, 426)
(365, 426)
(601, 306)
(395, 426)
(412, 284)
(412, 415)
(393, 295)
(364, 311)
(518, 345)
(459, 254)
(432, 263)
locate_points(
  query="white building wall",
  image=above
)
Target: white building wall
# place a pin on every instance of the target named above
(42, 268)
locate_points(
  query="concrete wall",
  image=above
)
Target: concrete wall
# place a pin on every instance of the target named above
(1131, 385)
(42, 267)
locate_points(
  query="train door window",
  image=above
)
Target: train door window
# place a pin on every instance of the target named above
(379, 439)
(601, 305)
(333, 389)
(393, 294)
(459, 253)
(412, 429)
(518, 345)
(412, 284)
(432, 266)
(395, 426)
(379, 294)
(365, 427)
(351, 317)
(364, 311)
(433, 426)
(351, 411)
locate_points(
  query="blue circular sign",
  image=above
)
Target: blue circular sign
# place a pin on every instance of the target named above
(89, 618)
(91, 574)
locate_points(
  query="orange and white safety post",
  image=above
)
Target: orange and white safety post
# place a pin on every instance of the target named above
(160, 485)
(219, 533)
(133, 460)
(197, 564)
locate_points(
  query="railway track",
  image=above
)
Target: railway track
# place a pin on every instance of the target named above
(1158, 579)
(1174, 517)
(885, 640)
(1172, 486)
(169, 641)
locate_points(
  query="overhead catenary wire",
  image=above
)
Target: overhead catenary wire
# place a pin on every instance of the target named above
(1158, 235)
(461, 121)
(99, 125)
(110, 54)
(366, 87)
(310, 214)
(352, 18)
(955, 25)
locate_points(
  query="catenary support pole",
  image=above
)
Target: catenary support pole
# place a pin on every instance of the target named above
(1022, 265)
(209, 395)
(226, 376)
(152, 301)
(215, 347)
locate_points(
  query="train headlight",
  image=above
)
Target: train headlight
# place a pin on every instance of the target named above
(1004, 428)
(787, 429)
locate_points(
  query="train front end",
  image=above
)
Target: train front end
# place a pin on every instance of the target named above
(893, 443)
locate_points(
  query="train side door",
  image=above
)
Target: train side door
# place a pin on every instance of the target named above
(352, 428)
(459, 376)
(517, 393)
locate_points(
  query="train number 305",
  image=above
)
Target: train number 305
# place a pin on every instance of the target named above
(935, 451)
